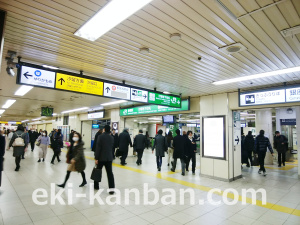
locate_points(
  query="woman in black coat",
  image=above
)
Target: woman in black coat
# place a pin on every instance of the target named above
(249, 147)
(56, 145)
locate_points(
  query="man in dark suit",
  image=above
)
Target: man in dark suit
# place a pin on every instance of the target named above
(139, 143)
(116, 138)
(32, 138)
(104, 157)
(123, 143)
(2, 152)
(179, 143)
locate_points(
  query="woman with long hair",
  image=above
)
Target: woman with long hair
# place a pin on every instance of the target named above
(76, 159)
(44, 143)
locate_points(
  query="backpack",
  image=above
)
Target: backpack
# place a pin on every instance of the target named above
(18, 142)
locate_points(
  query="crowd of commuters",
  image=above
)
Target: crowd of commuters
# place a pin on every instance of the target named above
(106, 142)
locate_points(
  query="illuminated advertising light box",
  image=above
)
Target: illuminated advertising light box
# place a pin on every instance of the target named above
(213, 137)
(162, 99)
(96, 115)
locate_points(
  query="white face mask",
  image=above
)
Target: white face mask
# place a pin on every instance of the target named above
(75, 139)
(44, 134)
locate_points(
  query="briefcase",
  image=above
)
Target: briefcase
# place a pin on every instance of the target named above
(118, 153)
(96, 174)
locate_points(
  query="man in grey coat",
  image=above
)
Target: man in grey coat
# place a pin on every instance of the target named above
(19, 150)
(161, 145)
(104, 156)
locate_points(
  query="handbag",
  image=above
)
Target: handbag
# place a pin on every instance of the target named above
(71, 167)
(38, 143)
(96, 174)
(118, 153)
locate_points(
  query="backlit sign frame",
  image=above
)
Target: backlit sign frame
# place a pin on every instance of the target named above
(214, 137)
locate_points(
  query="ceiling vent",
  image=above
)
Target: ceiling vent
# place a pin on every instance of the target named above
(233, 48)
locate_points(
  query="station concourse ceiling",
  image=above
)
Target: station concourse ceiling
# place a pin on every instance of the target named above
(42, 32)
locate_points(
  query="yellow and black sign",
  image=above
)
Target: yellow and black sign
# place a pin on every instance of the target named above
(78, 84)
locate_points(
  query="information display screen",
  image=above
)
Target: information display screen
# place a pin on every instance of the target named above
(169, 119)
(213, 133)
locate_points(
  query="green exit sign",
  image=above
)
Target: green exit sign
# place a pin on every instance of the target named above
(46, 111)
(161, 99)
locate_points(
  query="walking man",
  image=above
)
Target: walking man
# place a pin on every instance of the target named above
(139, 143)
(260, 148)
(124, 142)
(104, 157)
(280, 144)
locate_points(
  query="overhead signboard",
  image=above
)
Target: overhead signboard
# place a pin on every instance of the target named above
(78, 84)
(96, 115)
(116, 91)
(37, 77)
(213, 133)
(261, 98)
(162, 99)
(46, 111)
(139, 95)
(292, 94)
(150, 109)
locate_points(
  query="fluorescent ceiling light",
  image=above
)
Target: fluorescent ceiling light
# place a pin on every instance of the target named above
(8, 103)
(23, 90)
(74, 110)
(2, 111)
(24, 121)
(166, 92)
(113, 103)
(54, 114)
(259, 75)
(51, 67)
(290, 31)
(108, 17)
(37, 119)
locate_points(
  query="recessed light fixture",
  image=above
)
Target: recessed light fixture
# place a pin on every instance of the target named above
(2, 111)
(8, 103)
(74, 110)
(166, 92)
(51, 67)
(144, 50)
(259, 75)
(24, 89)
(108, 17)
(113, 103)
(175, 37)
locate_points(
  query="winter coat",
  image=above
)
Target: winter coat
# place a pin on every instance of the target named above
(140, 142)
(104, 149)
(261, 144)
(249, 143)
(281, 148)
(2, 152)
(180, 147)
(124, 141)
(160, 144)
(190, 147)
(116, 139)
(56, 145)
(78, 155)
(18, 150)
(95, 140)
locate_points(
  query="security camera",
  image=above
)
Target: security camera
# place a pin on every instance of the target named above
(10, 71)
(199, 58)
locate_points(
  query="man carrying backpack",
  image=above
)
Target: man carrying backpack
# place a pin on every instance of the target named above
(19, 143)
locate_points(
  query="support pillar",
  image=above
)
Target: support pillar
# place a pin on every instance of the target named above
(263, 121)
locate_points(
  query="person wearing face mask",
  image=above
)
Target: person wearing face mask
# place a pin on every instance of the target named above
(45, 142)
(76, 159)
